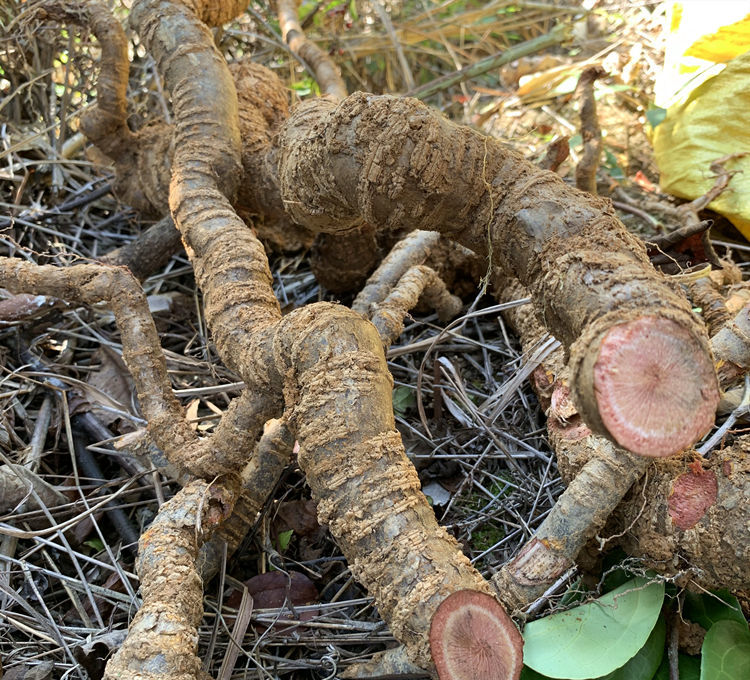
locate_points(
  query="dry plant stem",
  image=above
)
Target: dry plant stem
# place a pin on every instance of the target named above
(326, 72)
(590, 131)
(554, 37)
(329, 361)
(394, 163)
(162, 639)
(418, 281)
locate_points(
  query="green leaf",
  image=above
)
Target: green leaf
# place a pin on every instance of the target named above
(403, 399)
(645, 663)
(610, 162)
(707, 609)
(641, 667)
(284, 538)
(95, 544)
(595, 638)
(725, 654)
(655, 116)
(575, 140)
(688, 666)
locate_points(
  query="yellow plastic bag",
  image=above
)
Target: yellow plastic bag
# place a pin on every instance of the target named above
(713, 122)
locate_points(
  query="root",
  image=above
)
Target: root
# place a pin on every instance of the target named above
(149, 251)
(587, 273)
(163, 637)
(409, 251)
(389, 163)
(333, 265)
(599, 476)
(417, 281)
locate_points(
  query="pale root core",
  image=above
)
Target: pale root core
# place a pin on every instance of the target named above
(655, 386)
(472, 638)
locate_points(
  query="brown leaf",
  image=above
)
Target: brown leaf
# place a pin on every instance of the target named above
(300, 516)
(93, 655)
(113, 381)
(274, 588)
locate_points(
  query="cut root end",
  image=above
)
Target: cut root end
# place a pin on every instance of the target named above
(472, 638)
(655, 386)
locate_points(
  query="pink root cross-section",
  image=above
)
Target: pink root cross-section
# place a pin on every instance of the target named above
(655, 386)
(472, 638)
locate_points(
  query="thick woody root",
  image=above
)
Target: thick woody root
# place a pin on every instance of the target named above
(599, 476)
(162, 639)
(394, 163)
(105, 123)
(366, 489)
(691, 517)
(472, 639)
(327, 359)
(222, 453)
(641, 365)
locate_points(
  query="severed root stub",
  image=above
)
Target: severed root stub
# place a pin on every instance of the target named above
(472, 638)
(655, 387)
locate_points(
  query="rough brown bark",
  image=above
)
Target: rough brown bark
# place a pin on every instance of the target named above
(683, 517)
(163, 637)
(394, 163)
